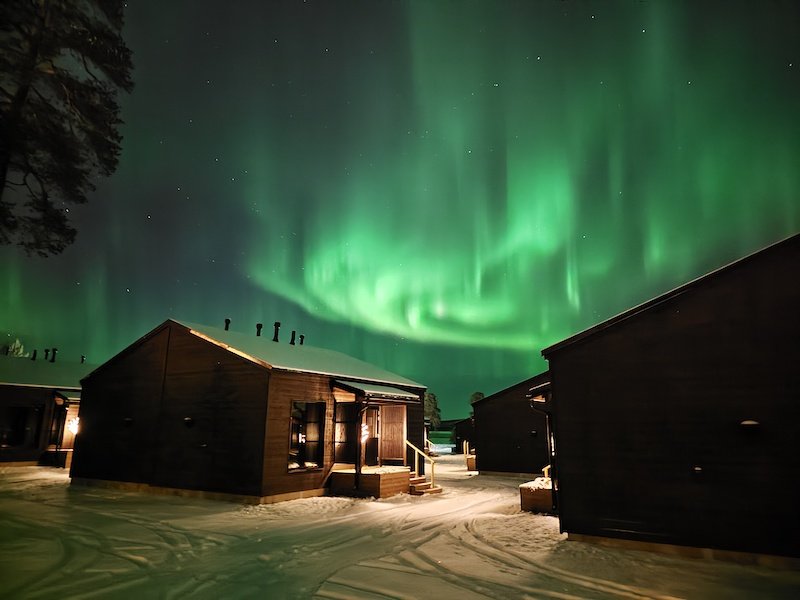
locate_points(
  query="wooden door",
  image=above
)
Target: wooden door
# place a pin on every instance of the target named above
(393, 434)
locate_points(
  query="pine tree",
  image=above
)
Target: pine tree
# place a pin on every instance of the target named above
(432, 412)
(61, 66)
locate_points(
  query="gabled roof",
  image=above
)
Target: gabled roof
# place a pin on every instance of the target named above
(306, 359)
(526, 385)
(42, 373)
(784, 245)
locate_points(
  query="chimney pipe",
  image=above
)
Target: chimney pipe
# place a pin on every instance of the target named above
(83, 358)
(302, 337)
(227, 324)
(53, 355)
(258, 329)
(33, 356)
(292, 340)
(47, 353)
(277, 326)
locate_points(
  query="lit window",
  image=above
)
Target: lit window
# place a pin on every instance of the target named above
(306, 436)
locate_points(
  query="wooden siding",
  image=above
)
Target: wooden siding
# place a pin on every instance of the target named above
(648, 416)
(510, 436)
(211, 419)
(119, 414)
(285, 388)
(134, 409)
(377, 485)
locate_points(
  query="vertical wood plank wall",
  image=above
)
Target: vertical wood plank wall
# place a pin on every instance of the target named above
(509, 435)
(284, 389)
(648, 416)
(119, 414)
(211, 419)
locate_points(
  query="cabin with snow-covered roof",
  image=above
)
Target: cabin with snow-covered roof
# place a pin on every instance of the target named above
(511, 429)
(38, 409)
(226, 414)
(676, 422)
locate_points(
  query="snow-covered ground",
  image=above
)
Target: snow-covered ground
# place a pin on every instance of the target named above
(472, 541)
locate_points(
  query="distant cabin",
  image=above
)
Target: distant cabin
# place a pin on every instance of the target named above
(677, 421)
(511, 435)
(192, 407)
(453, 432)
(39, 402)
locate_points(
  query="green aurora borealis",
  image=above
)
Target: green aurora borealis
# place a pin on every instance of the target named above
(441, 188)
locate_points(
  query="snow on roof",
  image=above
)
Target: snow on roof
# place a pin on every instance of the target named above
(305, 358)
(42, 373)
(372, 390)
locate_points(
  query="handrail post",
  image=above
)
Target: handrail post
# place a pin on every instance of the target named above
(417, 454)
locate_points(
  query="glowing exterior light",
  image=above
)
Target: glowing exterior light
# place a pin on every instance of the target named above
(364, 432)
(72, 425)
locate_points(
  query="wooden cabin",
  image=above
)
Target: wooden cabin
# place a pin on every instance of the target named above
(676, 422)
(511, 435)
(38, 409)
(237, 416)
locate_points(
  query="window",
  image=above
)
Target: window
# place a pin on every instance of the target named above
(306, 435)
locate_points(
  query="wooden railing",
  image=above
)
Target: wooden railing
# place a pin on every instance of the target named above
(417, 454)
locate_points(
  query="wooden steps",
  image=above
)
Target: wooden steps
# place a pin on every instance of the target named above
(418, 485)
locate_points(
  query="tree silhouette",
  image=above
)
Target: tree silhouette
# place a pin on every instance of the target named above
(61, 66)
(432, 412)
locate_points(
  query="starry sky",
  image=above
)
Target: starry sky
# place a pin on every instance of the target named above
(442, 188)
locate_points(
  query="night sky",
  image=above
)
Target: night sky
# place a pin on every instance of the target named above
(440, 188)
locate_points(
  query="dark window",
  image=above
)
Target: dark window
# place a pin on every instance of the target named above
(306, 435)
(20, 426)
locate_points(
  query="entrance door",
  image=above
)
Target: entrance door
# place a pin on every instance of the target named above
(393, 434)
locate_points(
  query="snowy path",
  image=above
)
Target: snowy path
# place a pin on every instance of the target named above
(470, 542)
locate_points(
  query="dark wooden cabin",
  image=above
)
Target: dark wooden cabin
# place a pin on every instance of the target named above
(510, 433)
(191, 407)
(676, 422)
(38, 406)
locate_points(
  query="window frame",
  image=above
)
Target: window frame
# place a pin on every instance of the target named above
(300, 426)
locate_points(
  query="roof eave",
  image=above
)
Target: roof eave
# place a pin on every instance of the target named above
(658, 300)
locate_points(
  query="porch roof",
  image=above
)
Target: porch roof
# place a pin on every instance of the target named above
(374, 391)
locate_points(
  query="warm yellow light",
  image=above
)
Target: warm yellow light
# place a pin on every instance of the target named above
(72, 425)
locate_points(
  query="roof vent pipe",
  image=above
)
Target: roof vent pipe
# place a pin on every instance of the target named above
(302, 337)
(53, 355)
(277, 326)
(83, 358)
(227, 324)
(33, 356)
(292, 340)
(47, 353)
(258, 329)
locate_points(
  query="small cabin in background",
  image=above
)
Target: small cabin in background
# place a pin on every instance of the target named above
(511, 429)
(676, 422)
(39, 402)
(192, 407)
